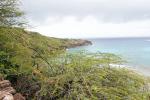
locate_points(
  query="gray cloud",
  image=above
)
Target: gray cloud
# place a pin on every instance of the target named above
(104, 10)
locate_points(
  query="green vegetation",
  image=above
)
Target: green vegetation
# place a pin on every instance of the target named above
(10, 14)
(80, 76)
(28, 49)
(40, 68)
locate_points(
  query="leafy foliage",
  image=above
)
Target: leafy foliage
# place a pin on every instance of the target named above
(10, 14)
(29, 49)
(89, 76)
(6, 66)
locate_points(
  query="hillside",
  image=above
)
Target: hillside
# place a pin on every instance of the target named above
(39, 68)
(31, 48)
(30, 39)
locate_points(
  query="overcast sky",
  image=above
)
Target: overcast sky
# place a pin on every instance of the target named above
(89, 18)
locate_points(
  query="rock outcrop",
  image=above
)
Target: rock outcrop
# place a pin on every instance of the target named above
(7, 92)
(78, 42)
(6, 96)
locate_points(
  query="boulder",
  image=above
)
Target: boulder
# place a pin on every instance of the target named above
(18, 96)
(6, 96)
(6, 91)
(5, 86)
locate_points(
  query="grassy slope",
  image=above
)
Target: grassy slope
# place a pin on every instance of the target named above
(27, 39)
(27, 48)
(30, 48)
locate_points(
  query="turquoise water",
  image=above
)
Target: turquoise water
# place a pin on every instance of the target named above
(134, 50)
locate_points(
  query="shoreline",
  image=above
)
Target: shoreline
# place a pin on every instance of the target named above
(141, 70)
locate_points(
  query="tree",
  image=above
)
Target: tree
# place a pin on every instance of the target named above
(10, 13)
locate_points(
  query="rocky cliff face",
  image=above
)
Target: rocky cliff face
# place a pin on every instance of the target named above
(7, 92)
(78, 42)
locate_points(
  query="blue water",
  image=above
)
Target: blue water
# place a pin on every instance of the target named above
(136, 51)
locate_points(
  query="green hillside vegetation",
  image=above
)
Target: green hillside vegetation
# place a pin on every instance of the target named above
(40, 68)
(28, 48)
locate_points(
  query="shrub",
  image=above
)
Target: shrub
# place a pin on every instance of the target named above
(89, 76)
(7, 68)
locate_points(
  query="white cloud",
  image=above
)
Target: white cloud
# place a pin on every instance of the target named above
(104, 10)
(89, 18)
(89, 26)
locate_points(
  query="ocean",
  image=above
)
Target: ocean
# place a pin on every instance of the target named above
(136, 51)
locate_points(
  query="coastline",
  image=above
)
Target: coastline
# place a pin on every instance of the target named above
(142, 71)
(136, 55)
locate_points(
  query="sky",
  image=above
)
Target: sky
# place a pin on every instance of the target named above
(88, 18)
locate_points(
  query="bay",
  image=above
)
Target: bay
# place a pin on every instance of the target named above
(136, 51)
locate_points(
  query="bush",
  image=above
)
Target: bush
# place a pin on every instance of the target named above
(89, 76)
(7, 68)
